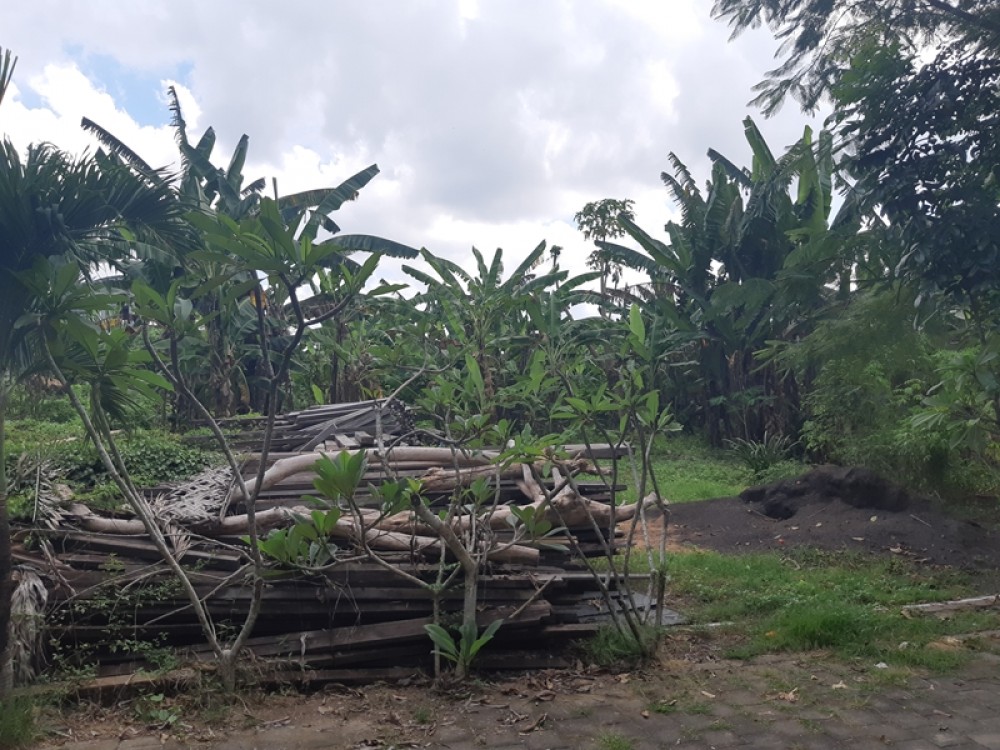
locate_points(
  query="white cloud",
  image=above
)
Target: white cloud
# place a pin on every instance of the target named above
(492, 121)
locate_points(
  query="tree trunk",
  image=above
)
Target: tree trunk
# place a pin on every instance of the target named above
(6, 562)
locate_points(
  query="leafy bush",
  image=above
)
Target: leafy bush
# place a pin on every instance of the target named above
(28, 402)
(874, 371)
(150, 456)
(761, 455)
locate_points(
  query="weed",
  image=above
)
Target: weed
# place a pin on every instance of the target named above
(422, 715)
(154, 711)
(878, 680)
(17, 723)
(664, 707)
(114, 609)
(613, 741)
(697, 708)
(611, 646)
(761, 455)
(811, 626)
(811, 725)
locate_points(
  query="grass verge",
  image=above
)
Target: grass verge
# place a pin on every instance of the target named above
(806, 599)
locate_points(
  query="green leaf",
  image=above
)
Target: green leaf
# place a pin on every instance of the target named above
(443, 641)
(635, 324)
(474, 373)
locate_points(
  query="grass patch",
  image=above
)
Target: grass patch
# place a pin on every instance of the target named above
(17, 723)
(610, 647)
(614, 741)
(807, 599)
(687, 469)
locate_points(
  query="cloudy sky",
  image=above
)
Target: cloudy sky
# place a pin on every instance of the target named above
(493, 121)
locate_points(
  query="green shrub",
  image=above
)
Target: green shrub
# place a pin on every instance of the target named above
(17, 723)
(42, 405)
(150, 456)
(761, 455)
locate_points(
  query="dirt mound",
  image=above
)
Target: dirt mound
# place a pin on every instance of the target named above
(834, 507)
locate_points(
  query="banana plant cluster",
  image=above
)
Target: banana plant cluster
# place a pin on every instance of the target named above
(752, 259)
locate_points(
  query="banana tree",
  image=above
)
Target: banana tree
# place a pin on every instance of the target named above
(481, 313)
(214, 190)
(749, 261)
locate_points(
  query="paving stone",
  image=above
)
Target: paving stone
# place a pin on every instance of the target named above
(138, 743)
(789, 728)
(859, 717)
(960, 724)
(724, 711)
(946, 739)
(547, 741)
(975, 711)
(906, 718)
(990, 740)
(961, 713)
(915, 745)
(892, 733)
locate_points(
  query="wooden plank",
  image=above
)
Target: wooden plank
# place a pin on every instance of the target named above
(346, 442)
(976, 602)
(380, 634)
(342, 676)
(139, 548)
(596, 450)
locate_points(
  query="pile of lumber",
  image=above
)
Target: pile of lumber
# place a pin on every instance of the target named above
(112, 602)
(328, 426)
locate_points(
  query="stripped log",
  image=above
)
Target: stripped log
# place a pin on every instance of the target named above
(287, 467)
(956, 605)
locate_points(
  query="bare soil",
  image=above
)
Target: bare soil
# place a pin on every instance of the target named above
(835, 508)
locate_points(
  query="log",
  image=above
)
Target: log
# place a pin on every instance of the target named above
(975, 602)
(286, 467)
(378, 539)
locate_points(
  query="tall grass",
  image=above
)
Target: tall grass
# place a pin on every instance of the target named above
(17, 723)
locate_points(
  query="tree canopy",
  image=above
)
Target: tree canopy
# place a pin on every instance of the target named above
(820, 38)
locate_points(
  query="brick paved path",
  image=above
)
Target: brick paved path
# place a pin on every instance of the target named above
(806, 703)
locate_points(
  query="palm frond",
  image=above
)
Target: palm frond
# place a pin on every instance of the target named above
(117, 147)
(354, 243)
(7, 65)
(177, 120)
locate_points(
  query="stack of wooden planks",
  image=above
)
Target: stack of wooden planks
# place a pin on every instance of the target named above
(114, 604)
(349, 425)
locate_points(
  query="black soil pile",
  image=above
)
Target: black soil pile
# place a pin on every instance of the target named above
(835, 508)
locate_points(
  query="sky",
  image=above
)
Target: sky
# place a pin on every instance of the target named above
(492, 121)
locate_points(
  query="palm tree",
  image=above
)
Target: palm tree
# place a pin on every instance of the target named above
(54, 207)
